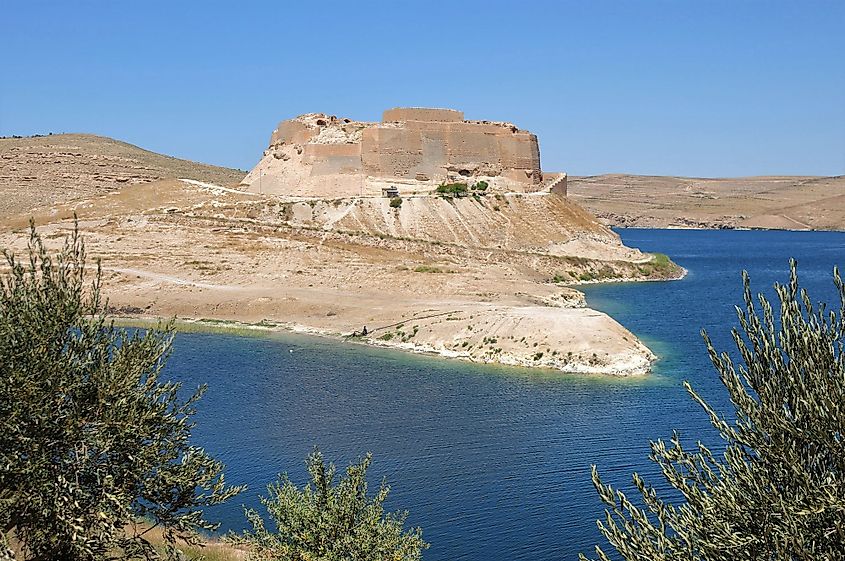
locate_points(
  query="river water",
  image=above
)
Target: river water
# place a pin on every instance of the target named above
(492, 462)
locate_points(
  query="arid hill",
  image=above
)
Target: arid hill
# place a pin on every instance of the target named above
(40, 170)
(478, 274)
(787, 203)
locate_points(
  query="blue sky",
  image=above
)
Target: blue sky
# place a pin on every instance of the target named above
(654, 87)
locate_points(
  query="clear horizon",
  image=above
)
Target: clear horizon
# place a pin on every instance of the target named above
(723, 89)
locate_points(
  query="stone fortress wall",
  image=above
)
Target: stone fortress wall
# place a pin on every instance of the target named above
(412, 149)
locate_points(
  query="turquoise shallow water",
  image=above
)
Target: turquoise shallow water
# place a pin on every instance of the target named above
(492, 462)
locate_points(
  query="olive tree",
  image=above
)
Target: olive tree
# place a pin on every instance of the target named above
(94, 445)
(777, 490)
(328, 521)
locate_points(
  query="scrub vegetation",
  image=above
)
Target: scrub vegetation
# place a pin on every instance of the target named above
(330, 518)
(659, 266)
(91, 439)
(461, 189)
(777, 490)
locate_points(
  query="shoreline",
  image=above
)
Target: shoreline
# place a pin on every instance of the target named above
(682, 273)
(630, 365)
(727, 228)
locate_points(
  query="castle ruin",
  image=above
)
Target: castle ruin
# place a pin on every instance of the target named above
(412, 150)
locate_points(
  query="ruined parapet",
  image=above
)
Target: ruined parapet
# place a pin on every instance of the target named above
(422, 114)
(415, 149)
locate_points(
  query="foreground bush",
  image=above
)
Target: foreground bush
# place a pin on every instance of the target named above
(778, 490)
(91, 440)
(327, 521)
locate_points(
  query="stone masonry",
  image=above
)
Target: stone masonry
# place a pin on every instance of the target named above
(411, 149)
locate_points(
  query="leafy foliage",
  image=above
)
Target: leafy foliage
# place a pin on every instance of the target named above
(325, 521)
(91, 440)
(462, 189)
(395, 202)
(778, 490)
(454, 189)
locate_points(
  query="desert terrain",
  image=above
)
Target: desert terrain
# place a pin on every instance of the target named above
(50, 169)
(783, 203)
(484, 277)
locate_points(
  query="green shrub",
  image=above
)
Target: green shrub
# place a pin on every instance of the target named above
(777, 490)
(480, 186)
(330, 520)
(428, 269)
(395, 202)
(453, 189)
(91, 440)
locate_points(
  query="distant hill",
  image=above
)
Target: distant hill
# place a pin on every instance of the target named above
(55, 169)
(58, 168)
(781, 202)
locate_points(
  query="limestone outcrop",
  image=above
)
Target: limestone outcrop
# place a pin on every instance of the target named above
(539, 225)
(412, 149)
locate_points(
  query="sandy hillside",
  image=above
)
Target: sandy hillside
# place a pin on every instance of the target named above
(483, 278)
(35, 171)
(791, 203)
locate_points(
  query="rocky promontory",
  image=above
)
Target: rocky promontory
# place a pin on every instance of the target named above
(449, 240)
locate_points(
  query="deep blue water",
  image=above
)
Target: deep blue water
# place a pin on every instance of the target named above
(493, 463)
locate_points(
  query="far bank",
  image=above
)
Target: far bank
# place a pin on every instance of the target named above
(764, 203)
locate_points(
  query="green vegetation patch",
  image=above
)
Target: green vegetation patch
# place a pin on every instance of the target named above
(429, 269)
(660, 266)
(461, 189)
(454, 189)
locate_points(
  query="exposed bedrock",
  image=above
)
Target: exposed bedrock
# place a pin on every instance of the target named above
(518, 222)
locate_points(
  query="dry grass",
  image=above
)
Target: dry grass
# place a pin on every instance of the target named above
(212, 549)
